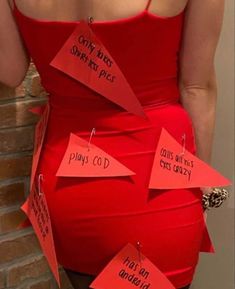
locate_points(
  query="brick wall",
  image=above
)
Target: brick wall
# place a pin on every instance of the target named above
(22, 264)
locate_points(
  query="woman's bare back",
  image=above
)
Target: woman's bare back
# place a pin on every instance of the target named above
(199, 41)
(100, 10)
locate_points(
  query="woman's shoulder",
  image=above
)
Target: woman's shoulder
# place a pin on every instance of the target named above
(11, 3)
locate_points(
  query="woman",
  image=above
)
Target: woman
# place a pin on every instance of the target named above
(166, 51)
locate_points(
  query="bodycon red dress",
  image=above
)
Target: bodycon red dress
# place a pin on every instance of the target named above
(94, 217)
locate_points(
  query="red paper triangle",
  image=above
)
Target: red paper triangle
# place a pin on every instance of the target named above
(39, 134)
(130, 269)
(36, 209)
(82, 161)
(206, 245)
(84, 57)
(171, 171)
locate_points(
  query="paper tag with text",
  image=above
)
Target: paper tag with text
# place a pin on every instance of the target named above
(36, 210)
(84, 57)
(39, 134)
(130, 269)
(171, 169)
(82, 159)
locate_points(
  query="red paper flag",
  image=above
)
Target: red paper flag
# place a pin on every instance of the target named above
(130, 269)
(172, 169)
(206, 245)
(84, 57)
(82, 159)
(36, 209)
(39, 134)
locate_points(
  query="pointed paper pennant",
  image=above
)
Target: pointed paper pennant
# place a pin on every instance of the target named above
(172, 169)
(130, 269)
(84, 57)
(206, 245)
(82, 159)
(36, 209)
(39, 134)
(38, 110)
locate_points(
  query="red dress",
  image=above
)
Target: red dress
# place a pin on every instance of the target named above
(93, 218)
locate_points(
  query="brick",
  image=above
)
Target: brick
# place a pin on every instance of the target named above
(20, 91)
(17, 247)
(65, 283)
(12, 194)
(16, 114)
(9, 93)
(31, 69)
(31, 268)
(34, 87)
(2, 279)
(17, 139)
(15, 167)
(11, 220)
(46, 284)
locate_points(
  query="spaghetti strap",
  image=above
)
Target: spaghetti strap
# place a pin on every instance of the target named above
(148, 4)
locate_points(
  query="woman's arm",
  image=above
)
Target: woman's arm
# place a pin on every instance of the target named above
(197, 78)
(14, 60)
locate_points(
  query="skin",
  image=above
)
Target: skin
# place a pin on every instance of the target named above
(197, 78)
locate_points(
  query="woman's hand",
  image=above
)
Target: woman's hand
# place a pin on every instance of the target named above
(14, 60)
(205, 198)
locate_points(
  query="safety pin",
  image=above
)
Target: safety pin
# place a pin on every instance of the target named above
(90, 19)
(139, 246)
(40, 177)
(184, 144)
(91, 135)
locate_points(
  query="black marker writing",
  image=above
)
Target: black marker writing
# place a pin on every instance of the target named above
(87, 43)
(134, 274)
(96, 160)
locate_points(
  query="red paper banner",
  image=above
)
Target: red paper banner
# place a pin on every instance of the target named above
(39, 134)
(82, 159)
(172, 169)
(130, 269)
(36, 209)
(84, 57)
(206, 245)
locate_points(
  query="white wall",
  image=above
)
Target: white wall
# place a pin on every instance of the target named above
(216, 271)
